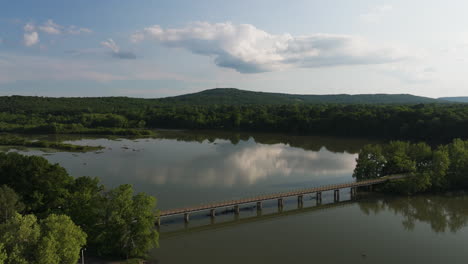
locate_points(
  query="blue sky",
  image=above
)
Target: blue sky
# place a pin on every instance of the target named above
(163, 48)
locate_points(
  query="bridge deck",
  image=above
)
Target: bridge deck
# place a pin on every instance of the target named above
(279, 195)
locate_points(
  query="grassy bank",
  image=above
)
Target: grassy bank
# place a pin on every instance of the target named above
(12, 140)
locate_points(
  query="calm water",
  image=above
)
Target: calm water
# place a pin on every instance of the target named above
(187, 168)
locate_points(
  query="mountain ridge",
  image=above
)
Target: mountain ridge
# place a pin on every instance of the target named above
(457, 99)
(234, 96)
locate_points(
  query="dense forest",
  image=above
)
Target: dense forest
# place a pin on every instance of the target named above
(124, 116)
(432, 168)
(48, 216)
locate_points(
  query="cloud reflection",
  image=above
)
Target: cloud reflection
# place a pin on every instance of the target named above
(247, 164)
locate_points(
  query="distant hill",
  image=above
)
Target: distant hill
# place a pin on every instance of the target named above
(218, 96)
(459, 99)
(232, 96)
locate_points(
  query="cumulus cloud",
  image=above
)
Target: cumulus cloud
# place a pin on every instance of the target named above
(376, 13)
(116, 52)
(248, 49)
(30, 38)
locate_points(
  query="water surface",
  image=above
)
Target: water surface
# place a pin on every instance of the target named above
(189, 168)
(186, 168)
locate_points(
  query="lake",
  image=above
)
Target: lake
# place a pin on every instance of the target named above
(183, 168)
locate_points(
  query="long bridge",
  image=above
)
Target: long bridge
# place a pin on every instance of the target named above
(279, 196)
(259, 217)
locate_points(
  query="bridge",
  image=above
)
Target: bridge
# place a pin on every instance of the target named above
(259, 217)
(235, 204)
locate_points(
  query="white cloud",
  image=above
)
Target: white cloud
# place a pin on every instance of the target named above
(116, 52)
(110, 43)
(31, 35)
(50, 27)
(250, 50)
(29, 27)
(74, 30)
(30, 38)
(376, 13)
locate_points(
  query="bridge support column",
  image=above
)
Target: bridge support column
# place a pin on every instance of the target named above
(237, 210)
(158, 221)
(280, 203)
(186, 217)
(337, 195)
(259, 213)
(352, 193)
(212, 213)
(259, 206)
(318, 197)
(370, 188)
(300, 201)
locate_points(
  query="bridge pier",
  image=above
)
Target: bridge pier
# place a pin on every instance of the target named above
(186, 217)
(280, 203)
(236, 210)
(212, 213)
(352, 193)
(158, 221)
(318, 197)
(336, 195)
(259, 206)
(370, 188)
(300, 201)
(259, 213)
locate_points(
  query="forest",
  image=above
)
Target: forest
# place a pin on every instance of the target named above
(126, 116)
(49, 216)
(432, 169)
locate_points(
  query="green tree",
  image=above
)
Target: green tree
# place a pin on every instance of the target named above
(55, 240)
(458, 170)
(127, 227)
(60, 242)
(9, 203)
(44, 187)
(440, 166)
(84, 203)
(20, 236)
(3, 254)
(370, 163)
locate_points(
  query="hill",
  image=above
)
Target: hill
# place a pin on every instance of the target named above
(459, 99)
(232, 96)
(218, 96)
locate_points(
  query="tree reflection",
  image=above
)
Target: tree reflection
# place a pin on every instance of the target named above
(314, 143)
(442, 212)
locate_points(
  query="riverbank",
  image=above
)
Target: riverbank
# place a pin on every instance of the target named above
(16, 141)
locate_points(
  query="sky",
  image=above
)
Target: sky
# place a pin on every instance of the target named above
(144, 48)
